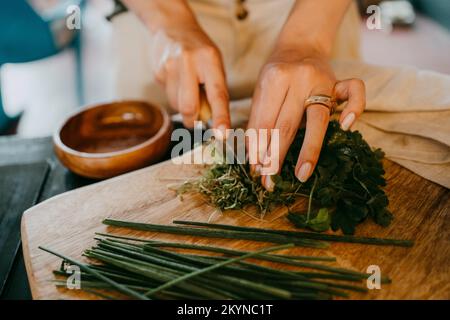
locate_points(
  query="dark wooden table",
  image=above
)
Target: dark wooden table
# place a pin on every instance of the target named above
(17, 151)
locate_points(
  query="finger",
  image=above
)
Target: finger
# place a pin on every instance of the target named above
(172, 91)
(171, 83)
(354, 91)
(188, 94)
(317, 117)
(287, 124)
(213, 75)
(217, 95)
(268, 98)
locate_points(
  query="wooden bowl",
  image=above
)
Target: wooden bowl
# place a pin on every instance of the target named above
(106, 140)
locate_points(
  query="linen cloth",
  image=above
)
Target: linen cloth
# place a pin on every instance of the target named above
(407, 112)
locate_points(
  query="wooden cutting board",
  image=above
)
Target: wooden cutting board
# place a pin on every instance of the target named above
(67, 223)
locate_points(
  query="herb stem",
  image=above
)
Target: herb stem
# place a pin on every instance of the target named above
(283, 293)
(302, 235)
(180, 245)
(86, 268)
(211, 233)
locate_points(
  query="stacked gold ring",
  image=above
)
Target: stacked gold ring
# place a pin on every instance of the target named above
(323, 100)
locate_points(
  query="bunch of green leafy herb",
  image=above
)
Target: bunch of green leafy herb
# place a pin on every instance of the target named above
(344, 190)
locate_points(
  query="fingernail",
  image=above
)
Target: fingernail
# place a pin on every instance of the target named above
(268, 183)
(348, 121)
(304, 172)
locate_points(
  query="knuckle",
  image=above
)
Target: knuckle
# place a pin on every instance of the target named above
(306, 70)
(358, 84)
(210, 52)
(187, 57)
(274, 71)
(187, 53)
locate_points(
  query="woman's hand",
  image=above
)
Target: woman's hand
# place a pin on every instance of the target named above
(183, 57)
(285, 82)
(188, 59)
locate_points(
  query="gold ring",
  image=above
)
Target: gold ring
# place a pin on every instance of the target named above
(323, 100)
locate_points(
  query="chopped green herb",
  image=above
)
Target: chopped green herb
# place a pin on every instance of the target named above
(348, 181)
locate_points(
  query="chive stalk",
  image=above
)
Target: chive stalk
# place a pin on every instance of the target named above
(208, 248)
(212, 233)
(302, 235)
(196, 273)
(142, 268)
(86, 268)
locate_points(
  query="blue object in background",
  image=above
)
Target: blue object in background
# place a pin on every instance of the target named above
(26, 36)
(438, 10)
(4, 119)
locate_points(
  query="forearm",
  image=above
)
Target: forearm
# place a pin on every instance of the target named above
(312, 25)
(161, 14)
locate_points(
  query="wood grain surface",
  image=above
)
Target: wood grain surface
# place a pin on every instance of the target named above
(66, 223)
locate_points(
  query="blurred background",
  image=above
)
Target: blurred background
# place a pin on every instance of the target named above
(48, 70)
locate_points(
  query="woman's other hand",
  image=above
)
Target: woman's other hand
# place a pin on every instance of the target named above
(285, 82)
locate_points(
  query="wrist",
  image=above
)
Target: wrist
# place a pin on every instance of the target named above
(159, 14)
(311, 27)
(300, 50)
